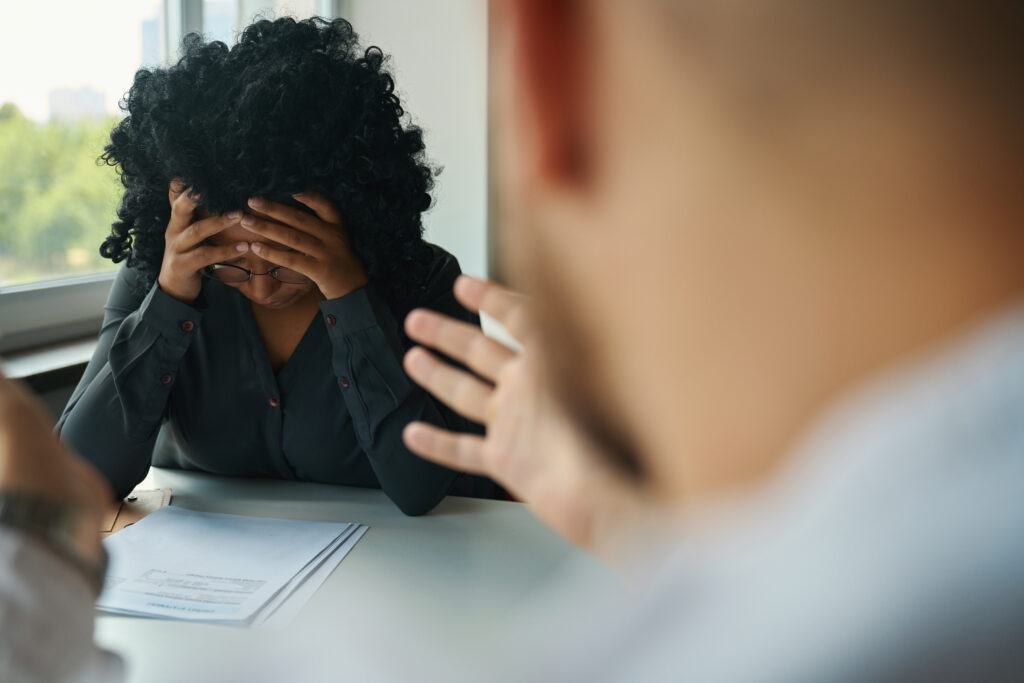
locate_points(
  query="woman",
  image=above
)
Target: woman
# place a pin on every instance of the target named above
(271, 231)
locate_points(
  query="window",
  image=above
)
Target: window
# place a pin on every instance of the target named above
(222, 19)
(68, 65)
(56, 111)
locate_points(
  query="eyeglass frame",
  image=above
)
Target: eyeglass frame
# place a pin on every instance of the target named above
(206, 272)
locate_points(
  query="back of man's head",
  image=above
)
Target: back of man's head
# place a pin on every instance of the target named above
(736, 211)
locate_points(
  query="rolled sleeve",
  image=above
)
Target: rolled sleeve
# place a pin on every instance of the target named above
(114, 414)
(367, 358)
(367, 353)
(173, 320)
(145, 356)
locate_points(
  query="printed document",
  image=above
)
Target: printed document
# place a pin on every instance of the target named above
(181, 564)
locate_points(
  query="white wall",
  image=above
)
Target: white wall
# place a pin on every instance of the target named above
(439, 61)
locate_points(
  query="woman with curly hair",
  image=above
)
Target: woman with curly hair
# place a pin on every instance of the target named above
(270, 227)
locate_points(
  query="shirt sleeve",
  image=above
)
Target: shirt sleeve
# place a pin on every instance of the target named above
(367, 351)
(114, 414)
(46, 618)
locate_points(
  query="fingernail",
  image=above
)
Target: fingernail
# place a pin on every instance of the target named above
(248, 220)
(255, 201)
(233, 214)
(242, 246)
(257, 247)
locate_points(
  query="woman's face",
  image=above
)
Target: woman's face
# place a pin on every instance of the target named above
(262, 290)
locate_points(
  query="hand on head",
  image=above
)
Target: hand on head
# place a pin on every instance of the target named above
(314, 245)
(186, 251)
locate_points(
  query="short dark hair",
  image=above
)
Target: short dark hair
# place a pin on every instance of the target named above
(293, 106)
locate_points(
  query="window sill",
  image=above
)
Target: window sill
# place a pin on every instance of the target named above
(50, 367)
(38, 315)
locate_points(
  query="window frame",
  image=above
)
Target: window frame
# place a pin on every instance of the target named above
(52, 311)
(56, 311)
(49, 312)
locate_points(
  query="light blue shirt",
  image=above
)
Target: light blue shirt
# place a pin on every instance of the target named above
(890, 547)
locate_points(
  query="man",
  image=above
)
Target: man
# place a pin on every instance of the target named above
(775, 250)
(51, 561)
(778, 260)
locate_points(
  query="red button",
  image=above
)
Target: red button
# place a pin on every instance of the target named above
(344, 382)
(273, 402)
(331, 320)
(188, 326)
(166, 378)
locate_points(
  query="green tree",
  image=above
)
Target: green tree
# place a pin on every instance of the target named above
(56, 200)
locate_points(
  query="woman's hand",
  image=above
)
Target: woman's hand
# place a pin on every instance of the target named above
(531, 447)
(319, 245)
(185, 251)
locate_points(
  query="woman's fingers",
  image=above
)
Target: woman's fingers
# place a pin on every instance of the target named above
(204, 256)
(183, 207)
(464, 393)
(504, 305)
(307, 265)
(196, 233)
(324, 207)
(292, 217)
(462, 341)
(282, 234)
(464, 452)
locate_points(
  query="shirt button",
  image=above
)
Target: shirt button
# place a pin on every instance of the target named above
(273, 402)
(331, 320)
(188, 326)
(166, 378)
(344, 382)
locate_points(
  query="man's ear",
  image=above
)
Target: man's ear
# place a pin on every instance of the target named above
(549, 45)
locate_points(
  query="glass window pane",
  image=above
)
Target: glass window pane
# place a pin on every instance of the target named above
(220, 20)
(248, 10)
(56, 110)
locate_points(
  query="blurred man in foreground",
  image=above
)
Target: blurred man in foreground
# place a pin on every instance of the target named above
(51, 560)
(778, 260)
(777, 253)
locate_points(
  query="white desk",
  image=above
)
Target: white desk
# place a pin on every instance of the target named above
(460, 571)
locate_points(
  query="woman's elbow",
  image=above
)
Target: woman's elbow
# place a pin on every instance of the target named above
(417, 507)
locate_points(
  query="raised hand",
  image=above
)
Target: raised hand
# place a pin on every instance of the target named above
(317, 245)
(530, 447)
(185, 250)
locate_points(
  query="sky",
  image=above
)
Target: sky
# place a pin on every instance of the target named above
(69, 43)
(46, 44)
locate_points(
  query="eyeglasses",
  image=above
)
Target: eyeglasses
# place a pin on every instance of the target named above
(225, 272)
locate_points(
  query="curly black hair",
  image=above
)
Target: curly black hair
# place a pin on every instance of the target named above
(293, 106)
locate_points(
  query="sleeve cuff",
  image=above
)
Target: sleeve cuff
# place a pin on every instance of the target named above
(362, 309)
(174, 320)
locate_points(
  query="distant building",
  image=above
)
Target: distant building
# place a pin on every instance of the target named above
(71, 104)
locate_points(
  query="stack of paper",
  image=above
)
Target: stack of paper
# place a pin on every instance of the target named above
(181, 564)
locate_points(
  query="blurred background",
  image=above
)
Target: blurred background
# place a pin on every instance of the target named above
(59, 99)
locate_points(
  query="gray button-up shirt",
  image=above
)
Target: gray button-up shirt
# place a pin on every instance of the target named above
(192, 387)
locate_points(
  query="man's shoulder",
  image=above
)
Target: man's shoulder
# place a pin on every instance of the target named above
(868, 580)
